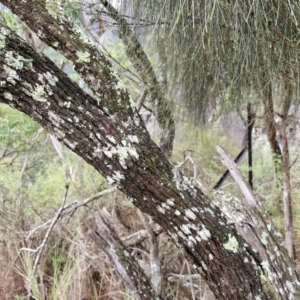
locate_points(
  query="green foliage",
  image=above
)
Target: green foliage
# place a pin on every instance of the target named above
(16, 129)
(218, 46)
(73, 9)
(124, 68)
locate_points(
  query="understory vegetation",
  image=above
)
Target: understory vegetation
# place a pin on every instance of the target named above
(34, 175)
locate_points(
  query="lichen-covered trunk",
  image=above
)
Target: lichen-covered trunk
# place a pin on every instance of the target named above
(107, 132)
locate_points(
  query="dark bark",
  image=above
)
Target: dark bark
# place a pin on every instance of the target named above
(109, 135)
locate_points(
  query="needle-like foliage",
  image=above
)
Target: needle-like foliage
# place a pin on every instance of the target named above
(219, 47)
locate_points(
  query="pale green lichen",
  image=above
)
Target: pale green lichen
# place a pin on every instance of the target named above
(122, 153)
(53, 7)
(232, 244)
(3, 33)
(51, 78)
(267, 270)
(14, 62)
(82, 35)
(2, 41)
(12, 75)
(67, 104)
(83, 56)
(8, 96)
(38, 94)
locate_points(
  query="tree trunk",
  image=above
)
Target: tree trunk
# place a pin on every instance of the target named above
(105, 131)
(287, 197)
(141, 63)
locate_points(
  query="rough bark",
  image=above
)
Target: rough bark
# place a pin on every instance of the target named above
(287, 197)
(109, 135)
(265, 91)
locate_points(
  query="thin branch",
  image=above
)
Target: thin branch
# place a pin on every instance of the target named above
(195, 177)
(76, 204)
(55, 219)
(238, 177)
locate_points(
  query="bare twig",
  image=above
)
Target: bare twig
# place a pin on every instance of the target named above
(69, 209)
(76, 204)
(238, 177)
(195, 177)
(55, 219)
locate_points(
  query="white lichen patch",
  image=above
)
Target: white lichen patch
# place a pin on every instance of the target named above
(190, 214)
(72, 145)
(165, 205)
(12, 75)
(8, 96)
(203, 234)
(97, 152)
(122, 153)
(182, 183)
(264, 237)
(210, 256)
(133, 139)
(15, 62)
(269, 226)
(67, 104)
(232, 244)
(177, 212)
(204, 266)
(186, 228)
(115, 178)
(191, 241)
(83, 57)
(55, 119)
(4, 31)
(207, 209)
(51, 79)
(111, 139)
(170, 202)
(266, 268)
(290, 286)
(161, 209)
(39, 94)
